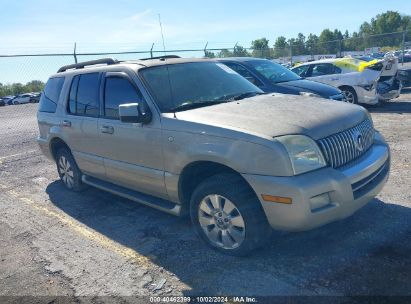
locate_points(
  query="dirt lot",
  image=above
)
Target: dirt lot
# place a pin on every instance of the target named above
(54, 242)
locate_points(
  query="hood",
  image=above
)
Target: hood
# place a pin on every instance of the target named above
(301, 85)
(273, 115)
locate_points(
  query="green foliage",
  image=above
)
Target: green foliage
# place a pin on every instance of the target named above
(18, 88)
(260, 48)
(240, 51)
(224, 53)
(209, 54)
(333, 41)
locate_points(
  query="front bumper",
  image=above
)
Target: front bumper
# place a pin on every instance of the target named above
(349, 188)
(366, 96)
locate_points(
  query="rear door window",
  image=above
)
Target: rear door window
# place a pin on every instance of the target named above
(322, 69)
(49, 98)
(84, 95)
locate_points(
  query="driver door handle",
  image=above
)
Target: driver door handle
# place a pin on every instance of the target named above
(66, 123)
(107, 129)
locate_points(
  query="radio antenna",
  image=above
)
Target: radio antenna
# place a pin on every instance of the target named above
(162, 36)
(165, 59)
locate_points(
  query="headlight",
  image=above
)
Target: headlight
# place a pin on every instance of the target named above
(309, 94)
(303, 152)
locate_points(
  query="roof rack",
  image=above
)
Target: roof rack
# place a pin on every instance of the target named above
(161, 57)
(81, 65)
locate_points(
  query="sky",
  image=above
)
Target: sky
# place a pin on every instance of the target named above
(47, 26)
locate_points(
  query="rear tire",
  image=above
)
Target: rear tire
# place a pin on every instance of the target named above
(68, 170)
(349, 95)
(228, 216)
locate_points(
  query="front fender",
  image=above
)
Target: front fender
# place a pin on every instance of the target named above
(242, 156)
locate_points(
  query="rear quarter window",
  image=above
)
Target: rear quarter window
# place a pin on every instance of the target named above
(51, 94)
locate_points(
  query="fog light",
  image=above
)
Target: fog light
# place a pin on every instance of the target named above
(319, 201)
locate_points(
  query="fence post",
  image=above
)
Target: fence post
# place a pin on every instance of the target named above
(340, 48)
(205, 49)
(151, 50)
(74, 53)
(291, 54)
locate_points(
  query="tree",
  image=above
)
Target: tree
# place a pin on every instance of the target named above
(299, 45)
(327, 42)
(240, 51)
(281, 48)
(209, 54)
(224, 53)
(312, 45)
(260, 48)
(18, 88)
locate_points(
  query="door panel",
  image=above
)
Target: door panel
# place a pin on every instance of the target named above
(80, 124)
(133, 156)
(83, 139)
(132, 152)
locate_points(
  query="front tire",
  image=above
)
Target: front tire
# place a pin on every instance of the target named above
(349, 95)
(228, 216)
(68, 170)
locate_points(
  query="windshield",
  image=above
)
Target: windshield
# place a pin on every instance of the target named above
(174, 86)
(272, 71)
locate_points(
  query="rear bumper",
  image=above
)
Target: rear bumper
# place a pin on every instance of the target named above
(349, 189)
(45, 147)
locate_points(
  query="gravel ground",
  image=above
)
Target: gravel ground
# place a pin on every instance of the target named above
(54, 242)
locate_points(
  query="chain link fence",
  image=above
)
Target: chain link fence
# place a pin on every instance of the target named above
(17, 72)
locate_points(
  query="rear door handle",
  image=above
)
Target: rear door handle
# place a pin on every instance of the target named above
(335, 78)
(107, 129)
(66, 123)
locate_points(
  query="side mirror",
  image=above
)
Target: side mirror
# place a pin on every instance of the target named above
(131, 112)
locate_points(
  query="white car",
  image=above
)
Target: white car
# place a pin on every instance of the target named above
(22, 98)
(360, 81)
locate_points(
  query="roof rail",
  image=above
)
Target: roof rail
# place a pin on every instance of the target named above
(161, 57)
(81, 65)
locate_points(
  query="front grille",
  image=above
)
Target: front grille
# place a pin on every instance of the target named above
(341, 148)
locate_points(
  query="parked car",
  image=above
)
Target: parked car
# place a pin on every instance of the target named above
(8, 99)
(272, 77)
(2, 103)
(193, 136)
(22, 98)
(35, 97)
(404, 74)
(403, 56)
(360, 81)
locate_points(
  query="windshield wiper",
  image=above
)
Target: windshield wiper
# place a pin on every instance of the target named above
(194, 105)
(232, 97)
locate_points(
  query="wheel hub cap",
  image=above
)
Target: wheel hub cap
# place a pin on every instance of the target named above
(221, 221)
(66, 172)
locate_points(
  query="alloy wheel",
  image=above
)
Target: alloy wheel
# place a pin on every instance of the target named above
(66, 172)
(221, 221)
(348, 96)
